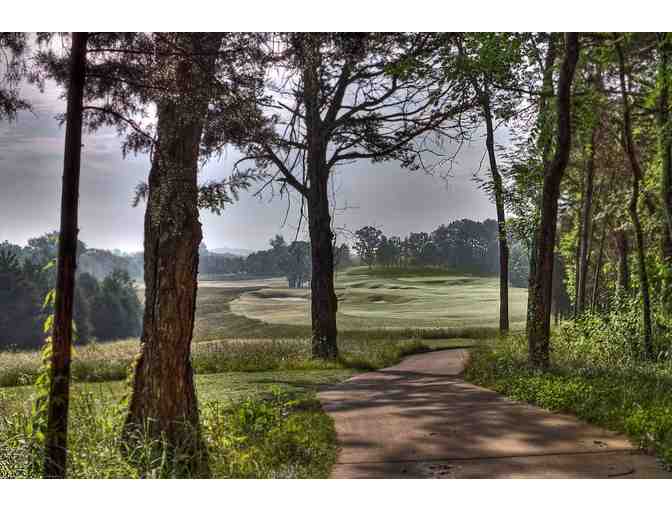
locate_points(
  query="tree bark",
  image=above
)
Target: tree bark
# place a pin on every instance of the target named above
(598, 266)
(665, 129)
(163, 403)
(501, 216)
(539, 329)
(577, 259)
(623, 251)
(586, 216)
(56, 448)
(637, 175)
(547, 91)
(323, 295)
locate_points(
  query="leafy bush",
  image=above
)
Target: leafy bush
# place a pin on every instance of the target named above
(275, 437)
(614, 337)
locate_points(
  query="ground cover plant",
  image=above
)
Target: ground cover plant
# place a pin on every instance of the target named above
(595, 377)
(263, 425)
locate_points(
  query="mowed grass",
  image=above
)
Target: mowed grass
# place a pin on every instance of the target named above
(226, 341)
(228, 386)
(394, 298)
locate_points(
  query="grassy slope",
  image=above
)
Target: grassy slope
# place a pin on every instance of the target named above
(391, 298)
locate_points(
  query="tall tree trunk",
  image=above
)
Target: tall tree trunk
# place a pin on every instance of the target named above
(623, 251)
(163, 403)
(665, 127)
(665, 149)
(546, 143)
(629, 145)
(323, 301)
(577, 259)
(323, 295)
(501, 216)
(598, 265)
(603, 239)
(539, 329)
(587, 220)
(56, 449)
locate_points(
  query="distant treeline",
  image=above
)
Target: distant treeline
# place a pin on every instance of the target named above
(106, 301)
(292, 261)
(465, 246)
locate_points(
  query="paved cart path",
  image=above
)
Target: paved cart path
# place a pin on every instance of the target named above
(420, 419)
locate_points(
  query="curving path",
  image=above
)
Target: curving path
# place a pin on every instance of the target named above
(419, 419)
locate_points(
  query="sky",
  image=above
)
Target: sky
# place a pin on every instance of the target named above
(31, 162)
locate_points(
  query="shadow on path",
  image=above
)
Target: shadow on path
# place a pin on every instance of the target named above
(420, 419)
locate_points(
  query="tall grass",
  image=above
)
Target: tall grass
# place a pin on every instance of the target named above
(278, 435)
(112, 361)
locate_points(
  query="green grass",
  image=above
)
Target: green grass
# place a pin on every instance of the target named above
(389, 299)
(634, 398)
(111, 361)
(255, 425)
(256, 381)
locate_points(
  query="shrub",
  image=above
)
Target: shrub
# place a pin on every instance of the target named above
(614, 337)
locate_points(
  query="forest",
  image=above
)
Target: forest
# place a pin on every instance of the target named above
(575, 131)
(106, 305)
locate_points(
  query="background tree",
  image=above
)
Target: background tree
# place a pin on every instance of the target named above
(345, 97)
(298, 266)
(538, 330)
(486, 60)
(20, 301)
(115, 307)
(59, 392)
(416, 246)
(12, 70)
(342, 257)
(367, 241)
(637, 176)
(388, 252)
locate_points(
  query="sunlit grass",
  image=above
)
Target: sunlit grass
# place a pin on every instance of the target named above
(391, 298)
(255, 425)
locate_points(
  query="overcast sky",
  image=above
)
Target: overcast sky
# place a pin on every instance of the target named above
(31, 161)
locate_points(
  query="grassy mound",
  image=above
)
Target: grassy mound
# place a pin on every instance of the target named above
(390, 298)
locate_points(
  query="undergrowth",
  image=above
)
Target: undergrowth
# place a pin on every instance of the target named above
(587, 379)
(276, 435)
